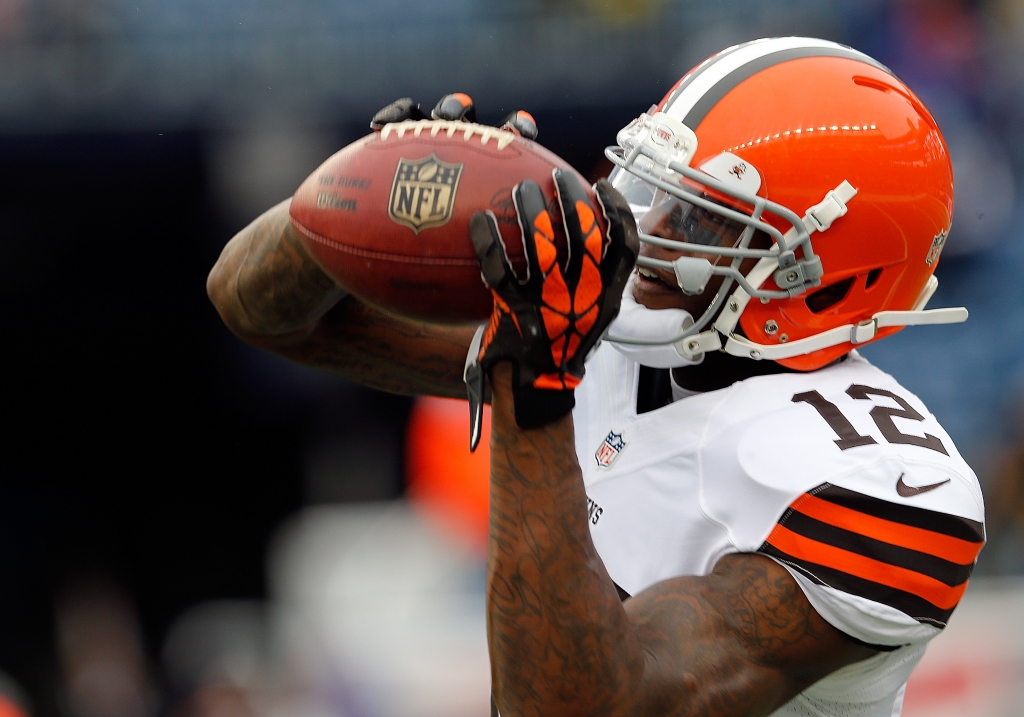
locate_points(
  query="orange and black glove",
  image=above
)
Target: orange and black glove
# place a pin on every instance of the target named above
(547, 325)
(400, 110)
(456, 107)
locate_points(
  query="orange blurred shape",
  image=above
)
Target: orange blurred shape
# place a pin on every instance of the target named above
(450, 484)
(10, 709)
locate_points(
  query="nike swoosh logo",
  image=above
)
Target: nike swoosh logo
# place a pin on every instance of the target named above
(909, 491)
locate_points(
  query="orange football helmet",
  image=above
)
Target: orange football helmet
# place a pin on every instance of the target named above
(819, 148)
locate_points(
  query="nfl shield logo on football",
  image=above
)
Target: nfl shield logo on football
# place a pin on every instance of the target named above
(609, 450)
(423, 192)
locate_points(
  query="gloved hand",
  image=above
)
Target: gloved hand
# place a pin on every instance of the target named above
(521, 122)
(455, 107)
(398, 111)
(549, 324)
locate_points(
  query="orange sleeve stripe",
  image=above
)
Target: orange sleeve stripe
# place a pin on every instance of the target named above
(955, 550)
(812, 551)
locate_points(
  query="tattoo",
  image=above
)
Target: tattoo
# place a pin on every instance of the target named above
(387, 352)
(278, 285)
(271, 292)
(560, 640)
(740, 641)
(745, 634)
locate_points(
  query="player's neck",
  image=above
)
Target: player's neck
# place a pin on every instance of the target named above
(719, 370)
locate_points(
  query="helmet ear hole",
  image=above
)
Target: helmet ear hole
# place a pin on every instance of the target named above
(872, 277)
(824, 299)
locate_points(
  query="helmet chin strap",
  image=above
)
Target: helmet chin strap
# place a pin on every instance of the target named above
(855, 334)
(859, 333)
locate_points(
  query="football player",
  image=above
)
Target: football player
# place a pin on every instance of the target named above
(731, 512)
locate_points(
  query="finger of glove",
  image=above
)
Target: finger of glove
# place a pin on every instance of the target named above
(398, 111)
(538, 231)
(619, 257)
(622, 251)
(623, 239)
(456, 107)
(581, 226)
(490, 253)
(521, 122)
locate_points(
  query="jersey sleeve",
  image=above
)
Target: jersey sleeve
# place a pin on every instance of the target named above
(883, 572)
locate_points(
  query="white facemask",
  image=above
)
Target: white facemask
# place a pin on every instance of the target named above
(636, 321)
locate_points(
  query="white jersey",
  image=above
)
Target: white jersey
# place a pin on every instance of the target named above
(841, 475)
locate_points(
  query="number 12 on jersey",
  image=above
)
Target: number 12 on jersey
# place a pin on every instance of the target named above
(881, 415)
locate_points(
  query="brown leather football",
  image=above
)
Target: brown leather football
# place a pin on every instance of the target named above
(388, 215)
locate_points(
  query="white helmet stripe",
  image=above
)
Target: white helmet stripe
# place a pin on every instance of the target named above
(699, 70)
(712, 80)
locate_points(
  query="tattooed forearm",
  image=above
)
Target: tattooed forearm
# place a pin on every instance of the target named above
(741, 641)
(386, 352)
(266, 284)
(560, 640)
(271, 293)
(278, 285)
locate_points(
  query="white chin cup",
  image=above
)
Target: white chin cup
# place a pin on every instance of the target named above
(636, 321)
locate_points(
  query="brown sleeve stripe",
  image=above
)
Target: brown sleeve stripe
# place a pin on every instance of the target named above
(952, 525)
(955, 550)
(942, 570)
(805, 550)
(913, 606)
(915, 560)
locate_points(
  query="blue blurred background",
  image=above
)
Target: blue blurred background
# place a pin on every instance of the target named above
(151, 459)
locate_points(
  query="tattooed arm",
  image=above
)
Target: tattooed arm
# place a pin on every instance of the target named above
(272, 294)
(740, 641)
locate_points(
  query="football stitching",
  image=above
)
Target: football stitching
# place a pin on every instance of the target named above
(386, 256)
(501, 137)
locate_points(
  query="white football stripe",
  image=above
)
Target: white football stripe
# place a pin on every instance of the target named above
(724, 64)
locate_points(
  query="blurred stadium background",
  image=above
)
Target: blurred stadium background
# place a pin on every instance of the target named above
(190, 527)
